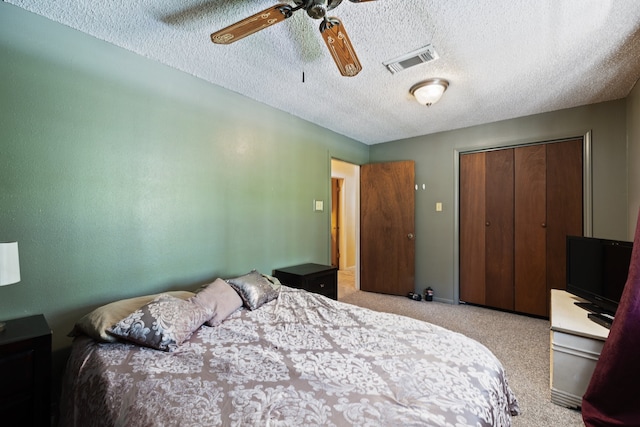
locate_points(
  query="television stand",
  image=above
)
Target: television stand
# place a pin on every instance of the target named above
(576, 343)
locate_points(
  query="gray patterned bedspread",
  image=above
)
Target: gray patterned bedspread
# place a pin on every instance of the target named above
(301, 360)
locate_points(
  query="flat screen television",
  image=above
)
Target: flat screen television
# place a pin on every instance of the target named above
(597, 271)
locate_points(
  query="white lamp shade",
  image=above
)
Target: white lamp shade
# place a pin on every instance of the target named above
(9, 263)
(430, 91)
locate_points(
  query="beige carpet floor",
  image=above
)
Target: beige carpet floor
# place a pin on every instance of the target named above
(520, 342)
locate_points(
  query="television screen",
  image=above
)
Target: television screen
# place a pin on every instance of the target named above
(597, 271)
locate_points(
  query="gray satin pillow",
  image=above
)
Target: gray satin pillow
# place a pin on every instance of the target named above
(254, 289)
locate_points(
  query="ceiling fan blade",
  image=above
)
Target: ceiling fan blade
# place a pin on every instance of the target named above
(337, 40)
(252, 24)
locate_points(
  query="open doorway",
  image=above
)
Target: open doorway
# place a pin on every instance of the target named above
(345, 216)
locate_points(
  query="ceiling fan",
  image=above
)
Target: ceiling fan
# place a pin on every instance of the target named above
(331, 28)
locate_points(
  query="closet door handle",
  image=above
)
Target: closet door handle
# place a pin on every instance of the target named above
(487, 223)
(544, 225)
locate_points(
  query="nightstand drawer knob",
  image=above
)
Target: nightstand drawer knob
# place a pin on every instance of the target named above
(322, 285)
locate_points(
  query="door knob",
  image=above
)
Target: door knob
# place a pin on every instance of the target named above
(544, 225)
(487, 223)
(411, 236)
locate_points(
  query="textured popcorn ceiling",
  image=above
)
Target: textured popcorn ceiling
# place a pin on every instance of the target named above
(504, 58)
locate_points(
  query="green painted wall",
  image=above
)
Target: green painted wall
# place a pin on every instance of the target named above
(120, 176)
(435, 157)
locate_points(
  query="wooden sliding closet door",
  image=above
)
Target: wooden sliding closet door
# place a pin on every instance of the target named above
(486, 228)
(517, 206)
(564, 206)
(472, 228)
(499, 223)
(530, 230)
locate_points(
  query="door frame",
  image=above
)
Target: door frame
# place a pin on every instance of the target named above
(587, 186)
(337, 214)
(356, 178)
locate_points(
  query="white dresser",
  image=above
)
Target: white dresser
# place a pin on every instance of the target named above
(576, 343)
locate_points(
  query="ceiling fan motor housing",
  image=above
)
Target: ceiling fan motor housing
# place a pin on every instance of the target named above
(317, 9)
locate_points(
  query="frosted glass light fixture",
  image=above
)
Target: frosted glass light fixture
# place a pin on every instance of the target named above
(9, 267)
(429, 91)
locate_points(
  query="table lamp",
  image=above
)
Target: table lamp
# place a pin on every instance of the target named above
(9, 267)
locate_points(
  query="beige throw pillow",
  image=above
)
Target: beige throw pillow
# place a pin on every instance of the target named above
(96, 323)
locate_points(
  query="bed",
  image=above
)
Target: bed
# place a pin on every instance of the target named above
(299, 359)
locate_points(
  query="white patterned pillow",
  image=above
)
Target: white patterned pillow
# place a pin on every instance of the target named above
(163, 324)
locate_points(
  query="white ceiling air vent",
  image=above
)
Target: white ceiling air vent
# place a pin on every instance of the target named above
(418, 56)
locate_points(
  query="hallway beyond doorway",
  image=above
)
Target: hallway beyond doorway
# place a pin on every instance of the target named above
(346, 283)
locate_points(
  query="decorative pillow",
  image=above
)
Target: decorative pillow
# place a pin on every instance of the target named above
(220, 298)
(254, 289)
(275, 283)
(163, 324)
(96, 323)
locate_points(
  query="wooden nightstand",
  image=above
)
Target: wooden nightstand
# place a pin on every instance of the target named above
(321, 279)
(25, 372)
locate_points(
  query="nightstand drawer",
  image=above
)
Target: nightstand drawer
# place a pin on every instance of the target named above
(16, 371)
(25, 372)
(317, 278)
(324, 285)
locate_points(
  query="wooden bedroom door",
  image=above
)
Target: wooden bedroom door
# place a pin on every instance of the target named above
(387, 210)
